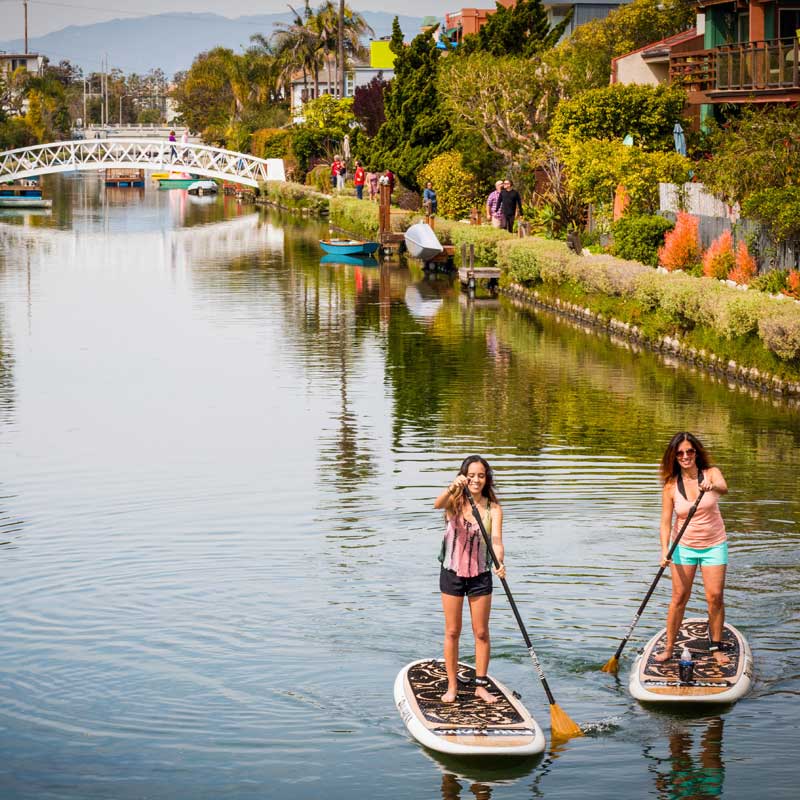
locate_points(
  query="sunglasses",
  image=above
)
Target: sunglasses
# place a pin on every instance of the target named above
(686, 453)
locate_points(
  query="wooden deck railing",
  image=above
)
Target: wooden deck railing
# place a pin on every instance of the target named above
(744, 66)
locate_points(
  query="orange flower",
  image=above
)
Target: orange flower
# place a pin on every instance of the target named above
(746, 267)
(681, 248)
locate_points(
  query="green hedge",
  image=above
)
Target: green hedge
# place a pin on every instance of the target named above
(361, 216)
(660, 302)
(638, 237)
(484, 237)
(295, 196)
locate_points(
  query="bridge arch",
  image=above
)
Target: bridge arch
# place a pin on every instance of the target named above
(96, 154)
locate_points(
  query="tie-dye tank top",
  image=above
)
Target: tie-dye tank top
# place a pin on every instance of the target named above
(463, 549)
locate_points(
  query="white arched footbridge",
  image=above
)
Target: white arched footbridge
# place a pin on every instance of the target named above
(95, 154)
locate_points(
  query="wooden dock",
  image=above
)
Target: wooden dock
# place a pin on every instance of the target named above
(124, 177)
(469, 276)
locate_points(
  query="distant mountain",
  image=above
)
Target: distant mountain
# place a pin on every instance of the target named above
(170, 41)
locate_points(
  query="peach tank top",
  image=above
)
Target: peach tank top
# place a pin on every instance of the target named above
(706, 528)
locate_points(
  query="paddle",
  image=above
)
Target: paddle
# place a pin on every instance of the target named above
(612, 665)
(561, 725)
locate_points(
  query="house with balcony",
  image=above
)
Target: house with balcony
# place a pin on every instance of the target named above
(744, 52)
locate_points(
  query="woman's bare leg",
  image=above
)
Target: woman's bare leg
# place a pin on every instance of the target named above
(452, 606)
(479, 609)
(682, 578)
(714, 584)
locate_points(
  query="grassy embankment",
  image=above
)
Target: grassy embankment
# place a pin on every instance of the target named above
(744, 333)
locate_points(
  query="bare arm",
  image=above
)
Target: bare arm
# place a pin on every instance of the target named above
(714, 481)
(456, 486)
(667, 507)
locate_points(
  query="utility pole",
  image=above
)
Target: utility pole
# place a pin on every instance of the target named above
(25, 5)
(341, 50)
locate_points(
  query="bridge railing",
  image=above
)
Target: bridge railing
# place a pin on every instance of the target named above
(88, 154)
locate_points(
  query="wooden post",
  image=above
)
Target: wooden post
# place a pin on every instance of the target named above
(472, 256)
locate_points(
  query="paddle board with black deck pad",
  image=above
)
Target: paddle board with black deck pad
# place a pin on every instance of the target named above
(469, 726)
(659, 682)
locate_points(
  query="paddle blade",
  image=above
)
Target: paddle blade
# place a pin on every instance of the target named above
(612, 665)
(561, 725)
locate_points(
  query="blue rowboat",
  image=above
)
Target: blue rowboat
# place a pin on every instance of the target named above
(355, 261)
(349, 247)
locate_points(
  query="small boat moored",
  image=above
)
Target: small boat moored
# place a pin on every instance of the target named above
(421, 242)
(467, 727)
(180, 180)
(202, 187)
(349, 247)
(660, 682)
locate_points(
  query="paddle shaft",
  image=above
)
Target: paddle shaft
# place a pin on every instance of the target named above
(659, 574)
(531, 651)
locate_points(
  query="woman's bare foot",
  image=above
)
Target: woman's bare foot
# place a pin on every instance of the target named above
(484, 694)
(664, 655)
(449, 696)
(721, 658)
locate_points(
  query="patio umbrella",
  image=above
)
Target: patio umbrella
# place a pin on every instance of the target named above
(680, 139)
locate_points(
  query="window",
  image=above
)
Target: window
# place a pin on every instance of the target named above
(788, 22)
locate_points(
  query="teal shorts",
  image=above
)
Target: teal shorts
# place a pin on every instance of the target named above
(715, 556)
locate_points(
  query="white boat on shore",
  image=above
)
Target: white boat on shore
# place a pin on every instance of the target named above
(421, 242)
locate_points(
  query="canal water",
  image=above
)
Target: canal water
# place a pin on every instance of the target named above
(218, 459)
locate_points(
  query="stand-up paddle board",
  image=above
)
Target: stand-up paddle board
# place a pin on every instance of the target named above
(711, 682)
(469, 726)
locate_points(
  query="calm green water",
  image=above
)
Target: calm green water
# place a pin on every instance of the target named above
(217, 466)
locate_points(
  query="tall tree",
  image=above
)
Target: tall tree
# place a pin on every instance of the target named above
(522, 29)
(417, 127)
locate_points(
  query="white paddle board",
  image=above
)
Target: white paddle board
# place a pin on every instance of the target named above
(659, 682)
(469, 726)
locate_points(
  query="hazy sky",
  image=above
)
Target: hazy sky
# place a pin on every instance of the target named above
(45, 16)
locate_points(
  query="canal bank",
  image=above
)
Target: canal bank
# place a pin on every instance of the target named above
(747, 336)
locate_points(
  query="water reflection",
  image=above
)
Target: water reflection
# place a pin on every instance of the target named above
(694, 766)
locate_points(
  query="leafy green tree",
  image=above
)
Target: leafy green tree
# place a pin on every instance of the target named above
(759, 151)
(647, 113)
(584, 60)
(506, 100)
(417, 126)
(596, 167)
(522, 29)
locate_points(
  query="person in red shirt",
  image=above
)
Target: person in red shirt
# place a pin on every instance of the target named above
(359, 178)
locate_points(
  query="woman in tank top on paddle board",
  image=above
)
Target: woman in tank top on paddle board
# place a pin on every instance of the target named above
(686, 470)
(467, 568)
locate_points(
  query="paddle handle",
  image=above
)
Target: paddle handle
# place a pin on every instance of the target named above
(659, 574)
(496, 562)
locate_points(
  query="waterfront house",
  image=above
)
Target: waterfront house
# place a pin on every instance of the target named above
(743, 52)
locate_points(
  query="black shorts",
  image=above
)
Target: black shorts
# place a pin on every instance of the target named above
(450, 583)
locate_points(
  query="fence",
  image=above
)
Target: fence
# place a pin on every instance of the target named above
(715, 217)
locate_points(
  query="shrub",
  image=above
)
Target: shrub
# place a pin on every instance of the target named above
(719, 259)
(361, 217)
(772, 282)
(780, 332)
(320, 178)
(637, 238)
(739, 315)
(455, 187)
(746, 267)
(271, 143)
(295, 195)
(484, 239)
(681, 248)
(532, 259)
(778, 210)
(793, 284)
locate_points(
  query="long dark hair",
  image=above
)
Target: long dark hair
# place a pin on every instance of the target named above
(457, 501)
(670, 468)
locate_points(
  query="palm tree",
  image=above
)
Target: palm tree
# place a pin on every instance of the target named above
(297, 46)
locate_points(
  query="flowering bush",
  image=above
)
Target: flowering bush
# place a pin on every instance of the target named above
(746, 267)
(719, 259)
(454, 185)
(681, 248)
(793, 284)
(639, 237)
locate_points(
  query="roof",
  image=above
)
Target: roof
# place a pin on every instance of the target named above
(662, 47)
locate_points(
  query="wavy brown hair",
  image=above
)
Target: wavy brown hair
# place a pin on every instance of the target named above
(456, 502)
(670, 468)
